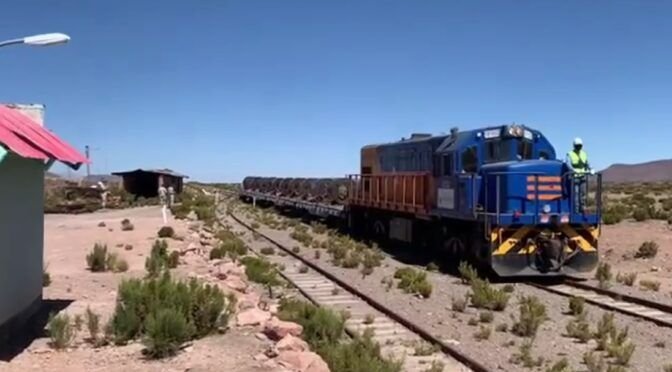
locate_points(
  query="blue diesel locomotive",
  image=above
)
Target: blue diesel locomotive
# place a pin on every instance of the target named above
(497, 196)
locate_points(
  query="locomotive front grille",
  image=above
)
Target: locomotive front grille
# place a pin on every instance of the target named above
(545, 188)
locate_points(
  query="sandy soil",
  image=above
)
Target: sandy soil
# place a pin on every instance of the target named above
(435, 313)
(68, 238)
(618, 245)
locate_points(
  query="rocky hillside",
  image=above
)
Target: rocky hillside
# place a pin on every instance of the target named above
(653, 171)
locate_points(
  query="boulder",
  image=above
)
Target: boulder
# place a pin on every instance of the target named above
(277, 329)
(235, 283)
(302, 361)
(192, 247)
(247, 301)
(192, 216)
(252, 317)
(291, 343)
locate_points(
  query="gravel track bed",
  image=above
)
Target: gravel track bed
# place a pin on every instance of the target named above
(635, 291)
(435, 314)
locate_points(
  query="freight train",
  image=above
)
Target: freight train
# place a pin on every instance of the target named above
(496, 196)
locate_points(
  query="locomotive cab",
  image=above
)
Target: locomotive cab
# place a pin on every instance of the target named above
(508, 181)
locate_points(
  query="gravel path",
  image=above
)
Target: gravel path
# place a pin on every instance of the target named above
(435, 313)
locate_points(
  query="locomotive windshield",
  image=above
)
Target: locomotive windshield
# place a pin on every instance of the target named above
(507, 149)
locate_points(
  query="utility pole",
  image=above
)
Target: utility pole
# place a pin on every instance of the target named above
(88, 169)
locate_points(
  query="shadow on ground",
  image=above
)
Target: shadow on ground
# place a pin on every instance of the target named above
(18, 339)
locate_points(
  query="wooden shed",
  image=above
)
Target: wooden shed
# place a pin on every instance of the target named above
(145, 182)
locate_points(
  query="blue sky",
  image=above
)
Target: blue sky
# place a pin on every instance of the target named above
(224, 89)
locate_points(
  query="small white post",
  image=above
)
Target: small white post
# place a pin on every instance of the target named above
(254, 201)
(164, 212)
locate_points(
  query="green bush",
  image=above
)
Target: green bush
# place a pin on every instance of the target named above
(61, 331)
(413, 281)
(120, 266)
(97, 260)
(485, 296)
(467, 272)
(641, 214)
(261, 271)
(576, 305)
(93, 324)
(126, 225)
(603, 274)
(268, 251)
(157, 261)
(166, 330)
(46, 278)
(166, 232)
(648, 249)
(323, 329)
(142, 311)
(173, 259)
(459, 304)
(531, 314)
(650, 285)
(626, 279)
(579, 329)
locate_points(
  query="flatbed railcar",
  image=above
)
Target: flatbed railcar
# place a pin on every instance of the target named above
(497, 196)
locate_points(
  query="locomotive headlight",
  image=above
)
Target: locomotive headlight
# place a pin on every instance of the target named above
(546, 208)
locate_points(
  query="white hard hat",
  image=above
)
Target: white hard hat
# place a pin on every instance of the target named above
(577, 141)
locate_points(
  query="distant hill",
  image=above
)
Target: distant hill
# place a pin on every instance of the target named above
(653, 171)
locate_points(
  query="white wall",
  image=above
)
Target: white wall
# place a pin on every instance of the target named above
(21, 234)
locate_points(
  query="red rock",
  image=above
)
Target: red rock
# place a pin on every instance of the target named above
(291, 343)
(277, 329)
(231, 268)
(248, 301)
(252, 317)
(235, 283)
(302, 361)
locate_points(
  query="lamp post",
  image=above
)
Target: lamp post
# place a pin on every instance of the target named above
(39, 40)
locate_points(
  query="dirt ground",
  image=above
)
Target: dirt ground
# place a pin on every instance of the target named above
(68, 239)
(618, 245)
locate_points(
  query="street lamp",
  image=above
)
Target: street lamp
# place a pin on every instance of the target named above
(39, 40)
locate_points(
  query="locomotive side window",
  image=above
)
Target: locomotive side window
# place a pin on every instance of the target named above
(492, 151)
(470, 160)
(448, 164)
(524, 150)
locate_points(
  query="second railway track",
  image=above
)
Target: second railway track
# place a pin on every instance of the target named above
(658, 313)
(392, 331)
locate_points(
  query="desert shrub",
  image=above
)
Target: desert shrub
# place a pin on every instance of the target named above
(351, 261)
(603, 274)
(524, 356)
(166, 330)
(93, 325)
(261, 271)
(485, 296)
(459, 304)
(318, 228)
(142, 305)
(166, 232)
(432, 267)
(230, 245)
(593, 362)
(323, 329)
(483, 333)
(472, 322)
(268, 251)
(97, 259)
(650, 285)
(561, 365)
(626, 279)
(61, 331)
(648, 249)
(576, 305)
(120, 266)
(641, 214)
(667, 368)
(579, 329)
(317, 255)
(486, 317)
(502, 327)
(296, 249)
(303, 269)
(301, 236)
(255, 225)
(413, 281)
(46, 278)
(467, 272)
(173, 259)
(126, 225)
(372, 258)
(614, 214)
(605, 327)
(435, 366)
(508, 288)
(531, 314)
(158, 258)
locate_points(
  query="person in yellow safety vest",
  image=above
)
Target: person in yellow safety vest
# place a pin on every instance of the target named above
(577, 161)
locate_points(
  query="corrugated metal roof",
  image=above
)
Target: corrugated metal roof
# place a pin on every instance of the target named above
(26, 138)
(165, 171)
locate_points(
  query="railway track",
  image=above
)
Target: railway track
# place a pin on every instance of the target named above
(660, 314)
(396, 334)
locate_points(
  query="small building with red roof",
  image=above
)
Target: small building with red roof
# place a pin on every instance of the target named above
(27, 150)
